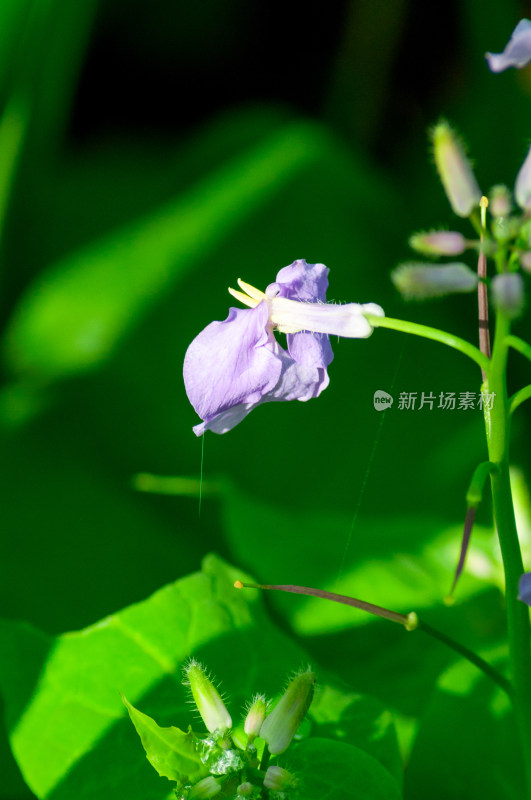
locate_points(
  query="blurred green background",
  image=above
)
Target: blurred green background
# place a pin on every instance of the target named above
(151, 154)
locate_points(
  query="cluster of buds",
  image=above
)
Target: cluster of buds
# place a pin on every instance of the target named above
(507, 239)
(238, 764)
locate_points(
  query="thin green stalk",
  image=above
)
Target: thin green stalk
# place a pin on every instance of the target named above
(519, 344)
(518, 627)
(518, 398)
(479, 662)
(432, 333)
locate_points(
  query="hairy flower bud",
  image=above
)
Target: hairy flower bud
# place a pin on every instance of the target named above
(416, 281)
(522, 187)
(281, 724)
(500, 201)
(206, 788)
(507, 292)
(438, 243)
(207, 698)
(255, 716)
(279, 779)
(455, 171)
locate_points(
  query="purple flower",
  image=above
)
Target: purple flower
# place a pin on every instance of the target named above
(235, 365)
(524, 588)
(517, 52)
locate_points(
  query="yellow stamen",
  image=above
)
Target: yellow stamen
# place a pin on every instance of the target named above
(247, 301)
(256, 294)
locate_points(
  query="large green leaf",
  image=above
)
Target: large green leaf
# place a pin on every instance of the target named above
(66, 722)
(466, 744)
(335, 771)
(360, 721)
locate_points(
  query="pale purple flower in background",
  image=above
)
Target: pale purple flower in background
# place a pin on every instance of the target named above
(522, 187)
(524, 588)
(507, 292)
(517, 52)
(233, 366)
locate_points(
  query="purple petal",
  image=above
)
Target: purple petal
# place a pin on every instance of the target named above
(524, 588)
(311, 351)
(301, 281)
(231, 363)
(517, 52)
(298, 380)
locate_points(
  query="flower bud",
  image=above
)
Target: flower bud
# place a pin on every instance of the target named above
(524, 588)
(280, 726)
(525, 261)
(207, 698)
(438, 243)
(522, 187)
(246, 791)
(422, 281)
(507, 292)
(279, 780)
(255, 716)
(500, 201)
(206, 788)
(455, 171)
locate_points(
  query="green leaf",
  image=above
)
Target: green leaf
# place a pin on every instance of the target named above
(169, 750)
(66, 723)
(359, 720)
(331, 770)
(466, 742)
(73, 317)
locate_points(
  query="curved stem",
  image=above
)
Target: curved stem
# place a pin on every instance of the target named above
(410, 621)
(518, 398)
(479, 662)
(432, 333)
(518, 344)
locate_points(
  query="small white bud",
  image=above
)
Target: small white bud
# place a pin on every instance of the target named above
(278, 779)
(507, 292)
(207, 698)
(455, 171)
(417, 281)
(255, 716)
(438, 243)
(280, 726)
(205, 789)
(500, 201)
(525, 261)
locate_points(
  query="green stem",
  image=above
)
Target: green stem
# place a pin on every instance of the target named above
(519, 344)
(432, 333)
(518, 397)
(518, 627)
(479, 662)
